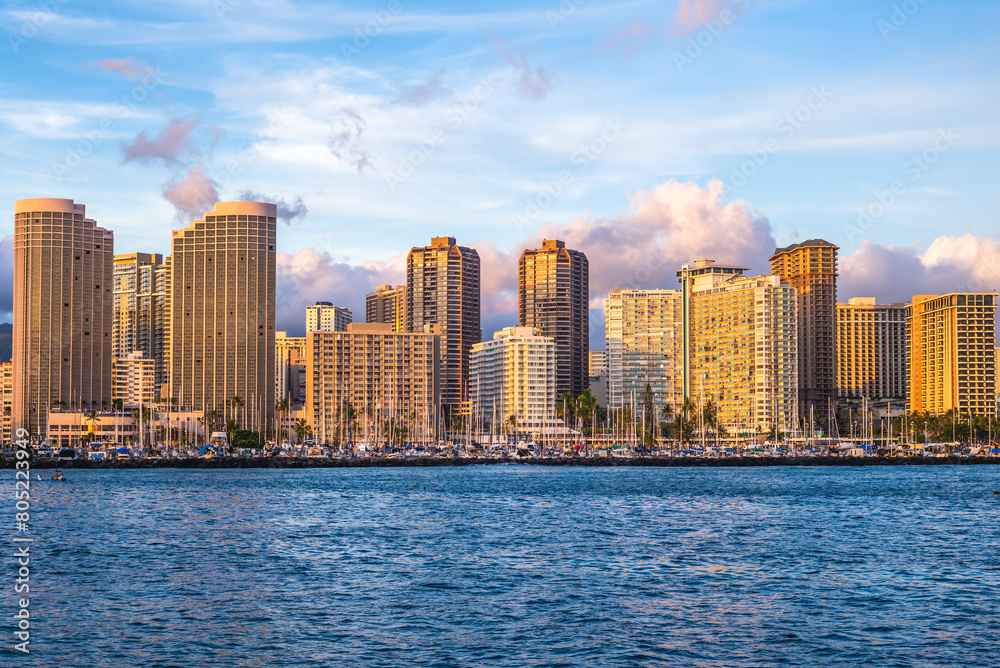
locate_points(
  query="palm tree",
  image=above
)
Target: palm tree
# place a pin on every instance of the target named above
(566, 407)
(586, 405)
(237, 404)
(666, 415)
(91, 417)
(231, 426)
(303, 429)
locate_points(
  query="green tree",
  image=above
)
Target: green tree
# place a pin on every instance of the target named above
(586, 407)
(566, 407)
(302, 429)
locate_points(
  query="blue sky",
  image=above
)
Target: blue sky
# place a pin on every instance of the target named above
(670, 129)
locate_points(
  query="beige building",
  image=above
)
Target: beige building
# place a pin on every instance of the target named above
(62, 311)
(953, 353)
(872, 351)
(442, 288)
(290, 368)
(644, 334)
(387, 305)
(811, 268)
(325, 317)
(383, 375)
(135, 379)
(554, 296)
(6, 401)
(140, 309)
(741, 347)
(513, 380)
(222, 308)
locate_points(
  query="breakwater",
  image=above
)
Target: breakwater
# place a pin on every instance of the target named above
(386, 462)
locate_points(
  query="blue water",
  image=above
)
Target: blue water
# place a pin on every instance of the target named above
(515, 566)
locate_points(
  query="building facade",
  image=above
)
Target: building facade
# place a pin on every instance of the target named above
(140, 309)
(513, 379)
(953, 353)
(62, 311)
(872, 349)
(325, 317)
(553, 296)
(6, 401)
(598, 362)
(442, 288)
(811, 268)
(644, 336)
(222, 313)
(741, 347)
(135, 379)
(290, 368)
(383, 376)
(387, 305)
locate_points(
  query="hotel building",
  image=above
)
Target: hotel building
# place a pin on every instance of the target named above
(741, 346)
(140, 309)
(442, 288)
(6, 401)
(383, 374)
(387, 305)
(553, 297)
(290, 368)
(135, 379)
(62, 311)
(222, 307)
(598, 362)
(325, 317)
(645, 344)
(872, 351)
(953, 353)
(512, 379)
(811, 268)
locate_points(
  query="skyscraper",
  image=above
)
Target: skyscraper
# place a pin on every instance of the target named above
(442, 288)
(553, 297)
(325, 317)
(222, 313)
(811, 268)
(140, 310)
(953, 354)
(387, 305)
(62, 311)
(872, 350)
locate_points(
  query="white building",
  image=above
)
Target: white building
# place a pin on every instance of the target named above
(134, 379)
(290, 371)
(325, 317)
(514, 376)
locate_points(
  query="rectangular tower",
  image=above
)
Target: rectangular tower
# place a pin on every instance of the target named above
(222, 305)
(140, 309)
(442, 288)
(62, 311)
(325, 317)
(387, 305)
(553, 297)
(872, 349)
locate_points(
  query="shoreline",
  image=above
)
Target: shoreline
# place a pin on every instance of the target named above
(382, 462)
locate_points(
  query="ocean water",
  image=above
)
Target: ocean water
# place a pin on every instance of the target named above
(514, 566)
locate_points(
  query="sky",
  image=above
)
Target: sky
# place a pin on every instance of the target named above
(646, 134)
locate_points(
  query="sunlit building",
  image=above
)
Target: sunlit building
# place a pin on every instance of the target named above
(290, 368)
(135, 379)
(872, 352)
(387, 305)
(6, 401)
(140, 309)
(324, 316)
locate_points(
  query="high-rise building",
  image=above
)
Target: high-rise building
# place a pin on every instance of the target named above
(387, 305)
(140, 309)
(741, 347)
(553, 296)
(135, 379)
(872, 353)
(598, 362)
(222, 306)
(6, 401)
(290, 368)
(384, 375)
(512, 379)
(442, 288)
(953, 353)
(325, 317)
(62, 311)
(811, 268)
(645, 344)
